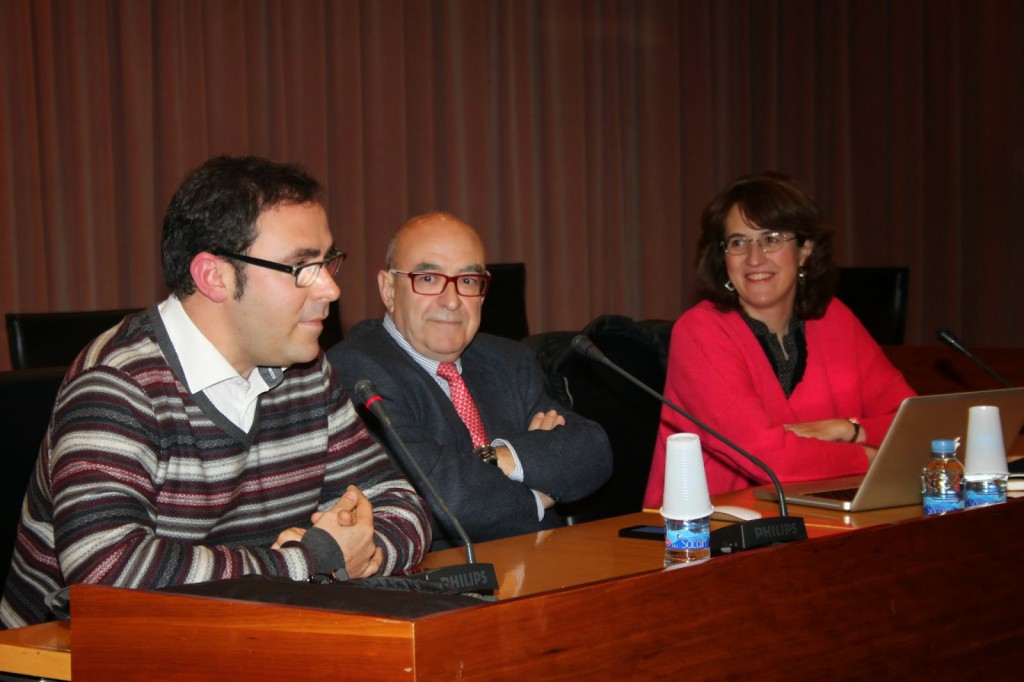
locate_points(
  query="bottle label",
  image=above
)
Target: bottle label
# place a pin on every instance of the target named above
(984, 496)
(683, 538)
(983, 490)
(942, 505)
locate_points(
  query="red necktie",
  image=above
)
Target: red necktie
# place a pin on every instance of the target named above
(463, 403)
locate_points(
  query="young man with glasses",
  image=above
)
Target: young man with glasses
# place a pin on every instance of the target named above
(207, 437)
(470, 407)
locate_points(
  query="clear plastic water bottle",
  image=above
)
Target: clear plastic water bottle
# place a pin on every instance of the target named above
(687, 541)
(941, 479)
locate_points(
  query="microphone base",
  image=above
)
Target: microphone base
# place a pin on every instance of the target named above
(461, 578)
(772, 530)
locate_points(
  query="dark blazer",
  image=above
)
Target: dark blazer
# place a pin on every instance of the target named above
(567, 463)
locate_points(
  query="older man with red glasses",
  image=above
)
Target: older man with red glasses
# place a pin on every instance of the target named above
(470, 407)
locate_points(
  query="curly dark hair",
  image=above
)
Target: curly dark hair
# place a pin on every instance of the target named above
(216, 208)
(770, 201)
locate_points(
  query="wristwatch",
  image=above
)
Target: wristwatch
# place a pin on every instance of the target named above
(856, 428)
(487, 454)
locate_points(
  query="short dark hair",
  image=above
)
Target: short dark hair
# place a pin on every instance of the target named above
(217, 206)
(771, 201)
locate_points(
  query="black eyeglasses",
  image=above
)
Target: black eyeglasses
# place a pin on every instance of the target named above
(305, 275)
(434, 283)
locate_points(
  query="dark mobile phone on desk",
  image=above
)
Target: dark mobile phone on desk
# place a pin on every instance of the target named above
(643, 532)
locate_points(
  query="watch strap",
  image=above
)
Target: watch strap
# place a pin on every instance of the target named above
(856, 429)
(488, 454)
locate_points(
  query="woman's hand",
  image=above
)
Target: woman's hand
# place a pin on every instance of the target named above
(835, 430)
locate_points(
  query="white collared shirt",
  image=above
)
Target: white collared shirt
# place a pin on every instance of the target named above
(207, 371)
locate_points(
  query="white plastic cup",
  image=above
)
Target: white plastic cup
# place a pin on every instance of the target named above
(986, 452)
(686, 487)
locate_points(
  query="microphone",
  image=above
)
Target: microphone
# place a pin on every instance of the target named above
(740, 536)
(470, 577)
(947, 338)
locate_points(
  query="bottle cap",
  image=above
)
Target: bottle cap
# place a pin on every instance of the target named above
(944, 446)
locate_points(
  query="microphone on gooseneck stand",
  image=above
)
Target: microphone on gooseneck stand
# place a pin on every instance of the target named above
(739, 536)
(947, 338)
(468, 577)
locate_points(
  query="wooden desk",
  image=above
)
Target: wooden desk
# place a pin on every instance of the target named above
(560, 558)
(38, 650)
(582, 602)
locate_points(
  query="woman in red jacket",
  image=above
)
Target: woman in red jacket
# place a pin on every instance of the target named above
(769, 358)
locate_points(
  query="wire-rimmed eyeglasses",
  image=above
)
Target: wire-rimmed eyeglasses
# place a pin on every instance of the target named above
(434, 283)
(738, 245)
(305, 274)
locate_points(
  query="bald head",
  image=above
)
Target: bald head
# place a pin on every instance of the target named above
(437, 221)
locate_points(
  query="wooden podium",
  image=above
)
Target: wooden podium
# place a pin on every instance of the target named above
(919, 598)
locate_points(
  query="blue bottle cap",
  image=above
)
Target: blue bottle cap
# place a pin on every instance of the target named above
(944, 445)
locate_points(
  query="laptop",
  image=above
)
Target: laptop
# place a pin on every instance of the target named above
(894, 477)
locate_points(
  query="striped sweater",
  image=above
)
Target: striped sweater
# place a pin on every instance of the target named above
(141, 484)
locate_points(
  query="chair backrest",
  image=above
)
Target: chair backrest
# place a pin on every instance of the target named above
(878, 297)
(55, 339)
(26, 401)
(628, 415)
(332, 327)
(504, 310)
(550, 349)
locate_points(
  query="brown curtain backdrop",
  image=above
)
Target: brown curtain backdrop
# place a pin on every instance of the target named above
(580, 137)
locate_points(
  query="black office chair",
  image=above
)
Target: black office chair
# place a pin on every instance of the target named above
(332, 333)
(504, 310)
(55, 339)
(550, 349)
(628, 415)
(26, 401)
(878, 297)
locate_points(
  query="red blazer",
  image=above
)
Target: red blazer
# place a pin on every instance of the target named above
(719, 373)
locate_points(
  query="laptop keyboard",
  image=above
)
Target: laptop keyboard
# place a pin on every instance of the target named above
(843, 494)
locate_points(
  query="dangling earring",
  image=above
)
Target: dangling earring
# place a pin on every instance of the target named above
(730, 286)
(802, 275)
